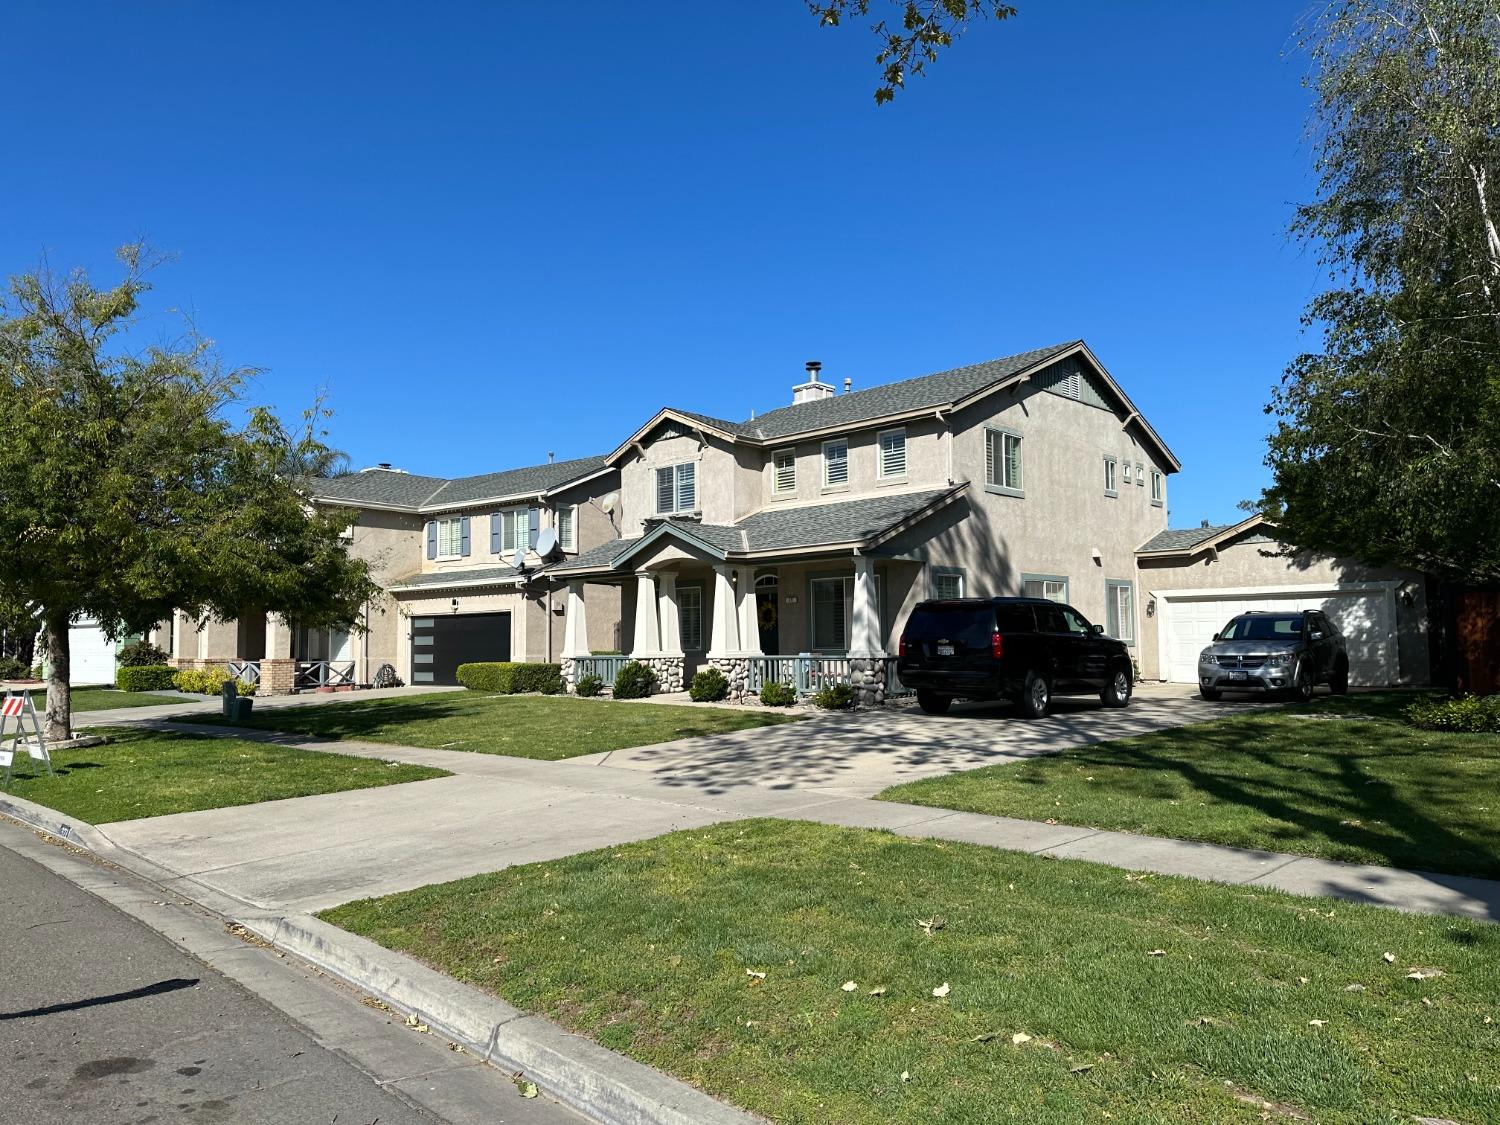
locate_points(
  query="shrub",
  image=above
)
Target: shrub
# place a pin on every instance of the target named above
(708, 686)
(1468, 714)
(511, 677)
(834, 697)
(13, 669)
(590, 686)
(775, 694)
(145, 677)
(140, 654)
(209, 681)
(634, 681)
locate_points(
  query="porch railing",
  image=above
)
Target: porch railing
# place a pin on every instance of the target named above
(246, 670)
(324, 673)
(605, 667)
(808, 672)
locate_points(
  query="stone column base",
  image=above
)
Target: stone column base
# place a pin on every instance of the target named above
(736, 670)
(867, 677)
(278, 677)
(669, 672)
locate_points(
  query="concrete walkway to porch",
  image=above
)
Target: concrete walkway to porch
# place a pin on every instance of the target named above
(308, 853)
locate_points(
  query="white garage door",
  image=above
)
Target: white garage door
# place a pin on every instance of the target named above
(1364, 616)
(93, 655)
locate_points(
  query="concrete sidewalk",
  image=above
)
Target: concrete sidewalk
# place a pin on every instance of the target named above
(309, 853)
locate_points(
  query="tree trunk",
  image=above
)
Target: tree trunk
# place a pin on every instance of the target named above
(59, 722)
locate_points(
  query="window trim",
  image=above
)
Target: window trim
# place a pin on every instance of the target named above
(675, 468)
(1127, 471)
(570, 541)
(1111, 585)
(519, 520)
(1063, 578)
(1158, 488)
(791, 454)
(838, 486)
(682, 617)
(880, 471)
(949, 572)
(1111, 476)
(458, 537)
(1140, 475)
(1003, 433)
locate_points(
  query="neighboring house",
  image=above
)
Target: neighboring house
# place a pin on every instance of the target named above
(444, 553)
(812, 530)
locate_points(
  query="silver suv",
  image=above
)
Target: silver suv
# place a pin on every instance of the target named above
(1268, 651)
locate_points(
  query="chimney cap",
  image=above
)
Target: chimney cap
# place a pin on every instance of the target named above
(1205, 523)
(813, 367)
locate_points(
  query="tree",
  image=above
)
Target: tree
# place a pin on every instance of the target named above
(125, 489)
(1387, 445)
(926, 27)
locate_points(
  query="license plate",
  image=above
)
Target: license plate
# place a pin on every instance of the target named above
(1239, 675)
(945, 650)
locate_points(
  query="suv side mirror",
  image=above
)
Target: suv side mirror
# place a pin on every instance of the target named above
(1216, 636)
(1097, 630)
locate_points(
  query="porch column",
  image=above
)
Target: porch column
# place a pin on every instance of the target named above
(646, 641)
(575, 625)
(278, 672)
(748, 611)
(724, 640)
(864, 634)
(671, 627)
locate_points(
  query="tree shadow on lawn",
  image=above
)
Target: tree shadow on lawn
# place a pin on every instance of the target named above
(1365, 784)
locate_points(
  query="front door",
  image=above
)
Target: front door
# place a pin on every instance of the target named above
(768, 613)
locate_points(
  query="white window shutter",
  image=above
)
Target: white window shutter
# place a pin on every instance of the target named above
(687, 487)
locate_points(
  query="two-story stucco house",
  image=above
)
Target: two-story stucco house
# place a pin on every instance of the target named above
(813, 529)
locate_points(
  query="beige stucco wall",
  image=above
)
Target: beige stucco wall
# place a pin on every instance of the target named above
(719, 475)
(1251, 562)
(926, 466)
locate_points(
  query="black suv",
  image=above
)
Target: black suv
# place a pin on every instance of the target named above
(1025, 650)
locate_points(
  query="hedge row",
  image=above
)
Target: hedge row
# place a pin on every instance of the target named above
(1468, 714)
(511, 677)
(209, 681)
(145, 677)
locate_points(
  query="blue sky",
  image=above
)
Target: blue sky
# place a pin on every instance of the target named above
(493, 230)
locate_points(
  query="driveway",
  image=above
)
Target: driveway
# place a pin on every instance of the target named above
(858, 755)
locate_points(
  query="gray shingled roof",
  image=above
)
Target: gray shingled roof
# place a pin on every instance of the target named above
(782, 529)
(409, 490)
(446, 577)
(1181, 540)
(877, 402)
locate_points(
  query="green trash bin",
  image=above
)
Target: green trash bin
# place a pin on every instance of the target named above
(241, 709)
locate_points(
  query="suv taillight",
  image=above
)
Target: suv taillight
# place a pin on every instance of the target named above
(997, 645)
(905, 648)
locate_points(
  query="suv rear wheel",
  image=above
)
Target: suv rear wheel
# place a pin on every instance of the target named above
(1340, 682)
(1036, 695)
(1117, 692)
(933, 703)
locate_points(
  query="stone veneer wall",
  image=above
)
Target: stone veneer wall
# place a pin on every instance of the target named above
(669, 672)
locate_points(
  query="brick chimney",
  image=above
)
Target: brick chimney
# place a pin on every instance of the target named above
(813, 390)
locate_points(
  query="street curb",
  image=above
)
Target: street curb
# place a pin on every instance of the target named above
(591, 1079)
(576, 1071)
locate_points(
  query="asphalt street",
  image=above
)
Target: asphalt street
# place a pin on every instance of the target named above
(104, 1021)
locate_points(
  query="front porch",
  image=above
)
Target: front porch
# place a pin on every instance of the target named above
(265, 650)
(808, 623)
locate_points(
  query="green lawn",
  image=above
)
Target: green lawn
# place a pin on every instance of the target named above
(102, 699)
(1146, 999)
(142, 773)
(522, 726)
(1341, 778)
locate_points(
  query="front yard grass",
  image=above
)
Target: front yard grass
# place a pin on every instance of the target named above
(103, 699)
(521, 726)
(141, 773)
(1342, 779)
(1073, 992)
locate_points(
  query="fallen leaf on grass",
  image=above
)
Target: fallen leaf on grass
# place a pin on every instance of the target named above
(1020, 1037)
(1316, 1023)
(526, 1089)
(1354, 988)
(986, 1036)
(941, 990)
(1157, 953)
(849, 986)
(1301, 980)
(1388, 958)
(1080, 1068)
(906, 1076)
(756, 975)
(1424, 974)
(932, 925)
(877, 991)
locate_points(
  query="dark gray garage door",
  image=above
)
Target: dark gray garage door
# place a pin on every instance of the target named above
(440, 644)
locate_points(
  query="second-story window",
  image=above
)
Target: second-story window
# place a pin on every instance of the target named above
(450, 538)
(1127, 471)
(784, 472)
(835, 463)
(1158, 488)
(892, 455)
(565, 534)
(677, 489)
(515, 529)
(1002, 460)
(1110, 466)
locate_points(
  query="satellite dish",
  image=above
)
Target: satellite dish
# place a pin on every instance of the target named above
(546, 542)
(518, 560)
(610, 502)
